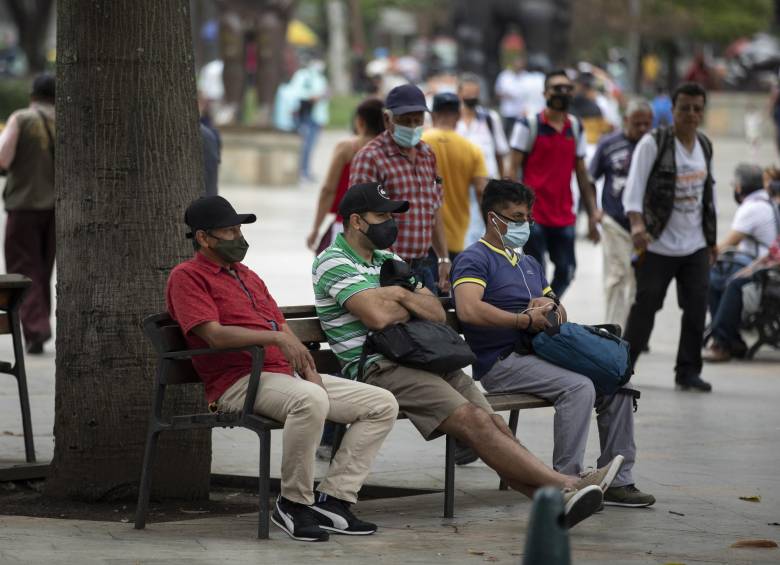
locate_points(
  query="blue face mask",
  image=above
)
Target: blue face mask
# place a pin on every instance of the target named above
(406, 136)
(517, 233)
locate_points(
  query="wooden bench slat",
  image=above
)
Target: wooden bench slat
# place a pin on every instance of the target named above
(307, 330)
(519, 401)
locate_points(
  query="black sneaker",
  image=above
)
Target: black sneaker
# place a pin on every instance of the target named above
(464, 454)
(334, 515)
(298, 521)
(695, 382)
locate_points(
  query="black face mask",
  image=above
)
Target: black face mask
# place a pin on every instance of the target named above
(559, 102)
(471, 102)
(382, 235)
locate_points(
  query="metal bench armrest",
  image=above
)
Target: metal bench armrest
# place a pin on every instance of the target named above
(258, 356)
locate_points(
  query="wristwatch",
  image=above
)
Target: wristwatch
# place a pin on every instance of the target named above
(444, 260)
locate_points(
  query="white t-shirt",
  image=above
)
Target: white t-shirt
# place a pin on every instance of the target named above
(508, 89)
(683, 233)
(531, 86)
(478, 133)
(755, 218)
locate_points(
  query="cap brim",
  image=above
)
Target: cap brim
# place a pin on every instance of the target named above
(234, 221)
(395, 206)
(408, 109)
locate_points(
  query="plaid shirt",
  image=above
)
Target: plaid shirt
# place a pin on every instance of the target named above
(381, 161)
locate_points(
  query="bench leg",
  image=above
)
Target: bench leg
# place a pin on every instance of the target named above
(21, 381)
(449, 477)
(144, 490)
(264, 487)
(513, 416)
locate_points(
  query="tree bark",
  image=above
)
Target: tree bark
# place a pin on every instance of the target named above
(129, 160)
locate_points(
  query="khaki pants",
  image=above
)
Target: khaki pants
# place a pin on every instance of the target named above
(304, 407)
(619, 279)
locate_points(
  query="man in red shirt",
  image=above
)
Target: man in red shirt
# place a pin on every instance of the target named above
(221, 303)
(546, 150)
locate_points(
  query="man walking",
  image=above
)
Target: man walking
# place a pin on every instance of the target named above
(501, 304)
(482, 127)
(546, 149)
(27, 153)
(406, 167)
(611, 161)
(460, 164)
(670, 202)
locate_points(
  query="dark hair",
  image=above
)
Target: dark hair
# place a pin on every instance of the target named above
(689, 89)
(750, 178)
(370, 111)
(499, 192)
(43, 87)
(554, 73)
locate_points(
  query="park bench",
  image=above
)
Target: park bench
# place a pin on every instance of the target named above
(175, 368)
(12, 290)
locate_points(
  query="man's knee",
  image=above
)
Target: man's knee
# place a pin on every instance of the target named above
(582, 393)
(313, 402)
(385, 406)
(469, 419)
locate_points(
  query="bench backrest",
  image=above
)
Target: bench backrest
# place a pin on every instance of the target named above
(12, 289)
(166, 336)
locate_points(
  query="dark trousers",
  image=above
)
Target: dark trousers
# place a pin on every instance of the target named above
(727, 318)
(559, 244)
(653, 275)
(29, 250)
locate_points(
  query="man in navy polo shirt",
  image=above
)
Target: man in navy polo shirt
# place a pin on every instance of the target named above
(546, 150)
(612, 161)
(500, 301)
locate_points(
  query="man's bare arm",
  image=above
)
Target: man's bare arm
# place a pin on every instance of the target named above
(516, 161)
(423, 304)
(377, 308)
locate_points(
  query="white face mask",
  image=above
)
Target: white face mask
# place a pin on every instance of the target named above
(517, 233)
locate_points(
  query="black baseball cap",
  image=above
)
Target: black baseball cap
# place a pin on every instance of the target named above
(369, 197)
(445, 101)
(405, 99)
(213, 212)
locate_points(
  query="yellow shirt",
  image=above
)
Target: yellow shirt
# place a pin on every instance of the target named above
(458, 162)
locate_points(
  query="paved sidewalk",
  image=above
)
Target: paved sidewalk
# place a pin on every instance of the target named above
(697, 453)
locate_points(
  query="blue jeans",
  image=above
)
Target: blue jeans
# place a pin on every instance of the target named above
(720, 275)
(559, 244)
(726, 321)
(309, 131)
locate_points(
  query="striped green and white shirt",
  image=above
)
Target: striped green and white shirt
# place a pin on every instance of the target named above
(339, 273)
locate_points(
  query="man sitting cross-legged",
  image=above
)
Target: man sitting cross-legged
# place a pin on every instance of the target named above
(350, 302)
(500, 301)
(220, 303)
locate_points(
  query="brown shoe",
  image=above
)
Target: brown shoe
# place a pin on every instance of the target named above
(716, 354)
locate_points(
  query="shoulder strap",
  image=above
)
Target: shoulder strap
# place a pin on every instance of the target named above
(48, 131)
(706, 146)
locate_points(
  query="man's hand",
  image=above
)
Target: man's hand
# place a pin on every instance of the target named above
(444, 276)
(713, 254)
(311, 240)
(640, 237)
(593, 225)
(295, 352)
(539, 318)
(540, 301)
(313, 377)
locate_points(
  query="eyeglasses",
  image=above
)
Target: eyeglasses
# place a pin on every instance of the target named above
(506, 220)
(562, 88)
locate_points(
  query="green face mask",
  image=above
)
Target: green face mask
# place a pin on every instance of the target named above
(231, 250)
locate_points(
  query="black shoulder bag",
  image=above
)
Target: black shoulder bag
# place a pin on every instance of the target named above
(420, 344)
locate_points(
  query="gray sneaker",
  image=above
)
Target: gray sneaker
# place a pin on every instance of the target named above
(579, 504)
(602, 477)
(628, 496)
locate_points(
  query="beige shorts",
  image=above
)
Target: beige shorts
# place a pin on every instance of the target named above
(427, 399)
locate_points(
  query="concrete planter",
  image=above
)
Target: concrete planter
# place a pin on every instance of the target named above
(258, 156)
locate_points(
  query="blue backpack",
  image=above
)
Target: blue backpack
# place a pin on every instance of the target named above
(594, 352)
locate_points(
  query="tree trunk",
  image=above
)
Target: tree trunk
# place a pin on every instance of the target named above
(338, 50)
(129, 160)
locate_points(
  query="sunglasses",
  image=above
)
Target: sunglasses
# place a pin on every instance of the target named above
(506, 220)
(561, 88)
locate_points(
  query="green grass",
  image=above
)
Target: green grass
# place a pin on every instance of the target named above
(14, 94)
(342, 108)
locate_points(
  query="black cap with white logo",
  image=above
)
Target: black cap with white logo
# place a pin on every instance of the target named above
(369, 197)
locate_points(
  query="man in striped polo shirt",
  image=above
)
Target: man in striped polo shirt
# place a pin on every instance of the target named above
(351, 302)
